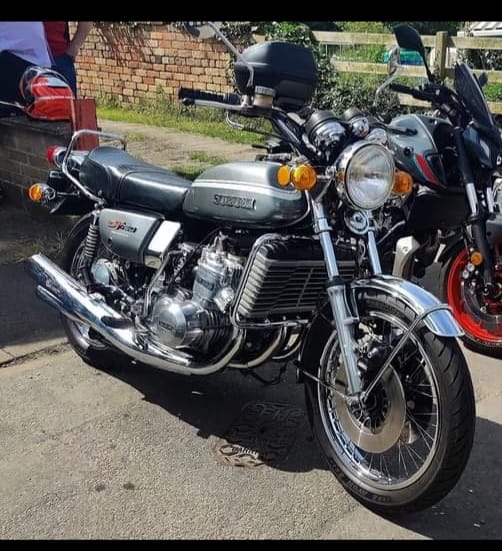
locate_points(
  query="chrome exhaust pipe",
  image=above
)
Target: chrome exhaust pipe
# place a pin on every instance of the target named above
(64, 293)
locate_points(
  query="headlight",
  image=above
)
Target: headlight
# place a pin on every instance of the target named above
(364, 175)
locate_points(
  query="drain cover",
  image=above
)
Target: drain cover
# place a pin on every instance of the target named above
(263, 433)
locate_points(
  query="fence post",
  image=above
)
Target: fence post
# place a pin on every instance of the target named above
(441, 46)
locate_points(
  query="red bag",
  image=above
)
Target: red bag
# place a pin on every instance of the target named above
(47, 95)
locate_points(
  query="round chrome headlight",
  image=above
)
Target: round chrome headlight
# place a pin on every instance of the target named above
(365, 174)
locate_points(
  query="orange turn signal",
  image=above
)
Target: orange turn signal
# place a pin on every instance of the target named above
(35, 193)
(284, 175)
(303, 177)
(403, 183)
(476, 258)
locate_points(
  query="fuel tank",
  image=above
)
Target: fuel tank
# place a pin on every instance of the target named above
(425, 152)
(245, 194)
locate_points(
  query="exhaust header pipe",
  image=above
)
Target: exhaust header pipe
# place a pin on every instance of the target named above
(66, 294)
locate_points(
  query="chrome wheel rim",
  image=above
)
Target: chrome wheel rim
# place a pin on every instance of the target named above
(394, 448)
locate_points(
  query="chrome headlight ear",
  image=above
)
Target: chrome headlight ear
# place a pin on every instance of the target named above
(365, 174)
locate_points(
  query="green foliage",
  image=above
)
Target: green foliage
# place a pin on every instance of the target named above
(493, 91)
(357, 90)
(370, 53)
(206, 158)
(430, 27)
(239, 31)
(164, 112)
(363, 26)
(339, 92)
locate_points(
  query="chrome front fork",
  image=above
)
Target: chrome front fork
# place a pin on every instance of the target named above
(342, 316)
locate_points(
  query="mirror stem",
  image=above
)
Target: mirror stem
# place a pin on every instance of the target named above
(235, 51)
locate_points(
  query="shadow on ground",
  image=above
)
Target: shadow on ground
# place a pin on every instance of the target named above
(473, 509)
(24, 318)
(212, 403)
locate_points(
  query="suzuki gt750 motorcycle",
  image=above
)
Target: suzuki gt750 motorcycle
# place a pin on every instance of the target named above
(262, 261)
(454, 159)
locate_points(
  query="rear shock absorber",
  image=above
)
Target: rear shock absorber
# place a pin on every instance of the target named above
(90, 246)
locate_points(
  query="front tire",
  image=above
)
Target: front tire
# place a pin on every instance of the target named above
(87, 345)
(407, 449)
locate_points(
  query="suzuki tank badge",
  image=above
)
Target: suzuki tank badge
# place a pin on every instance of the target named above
(236, 202)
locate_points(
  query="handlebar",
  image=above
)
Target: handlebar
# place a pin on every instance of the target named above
(189, 96)
(417, 94)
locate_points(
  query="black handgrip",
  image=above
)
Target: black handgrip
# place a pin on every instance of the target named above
(189, 95)
(401, 88)
(417, 94)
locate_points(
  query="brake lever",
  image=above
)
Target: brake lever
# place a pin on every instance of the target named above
(402, 131)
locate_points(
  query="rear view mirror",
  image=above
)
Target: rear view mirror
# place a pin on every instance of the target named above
(394, 61)
(393, 68)
(408, 38)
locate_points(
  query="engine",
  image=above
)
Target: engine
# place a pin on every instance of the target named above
(284, 279)
(198, 318)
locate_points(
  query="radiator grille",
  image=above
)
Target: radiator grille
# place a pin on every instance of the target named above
(286, 280)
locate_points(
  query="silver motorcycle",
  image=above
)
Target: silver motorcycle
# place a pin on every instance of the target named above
(269, 261)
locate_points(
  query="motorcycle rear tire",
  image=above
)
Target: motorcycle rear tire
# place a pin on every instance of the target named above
(475, 338)
(93, 351)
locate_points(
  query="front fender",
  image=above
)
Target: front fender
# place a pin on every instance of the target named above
(440, 322)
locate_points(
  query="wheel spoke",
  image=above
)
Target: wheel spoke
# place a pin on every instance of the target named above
(422, 393)
(426, 436)
(360, 431)
(420, 364)
(401, 457)
(411, 456)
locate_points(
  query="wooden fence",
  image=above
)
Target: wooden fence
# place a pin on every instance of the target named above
(440, 42)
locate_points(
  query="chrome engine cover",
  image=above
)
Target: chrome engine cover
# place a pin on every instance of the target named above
(178, 323)
(199, 318)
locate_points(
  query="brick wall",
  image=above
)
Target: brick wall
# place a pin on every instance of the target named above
(23, 146)
(131, 64)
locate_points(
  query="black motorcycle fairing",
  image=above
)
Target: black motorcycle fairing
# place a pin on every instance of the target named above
(472, 96)
(428, 210)
(123, 179)
(483, 151)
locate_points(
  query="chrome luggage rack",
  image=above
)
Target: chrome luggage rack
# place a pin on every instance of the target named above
(70, 148)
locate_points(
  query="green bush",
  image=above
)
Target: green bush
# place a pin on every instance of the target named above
(337, 91)
(430, 27)
(370, 53)
(357, 90)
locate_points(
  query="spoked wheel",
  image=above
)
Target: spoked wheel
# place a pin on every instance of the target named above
(84, 341)
(405, 447)
(479, 315)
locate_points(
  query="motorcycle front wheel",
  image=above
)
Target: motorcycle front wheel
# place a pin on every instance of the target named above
(406, 447)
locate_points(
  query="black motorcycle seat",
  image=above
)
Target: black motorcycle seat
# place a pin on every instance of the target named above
(123, 179)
